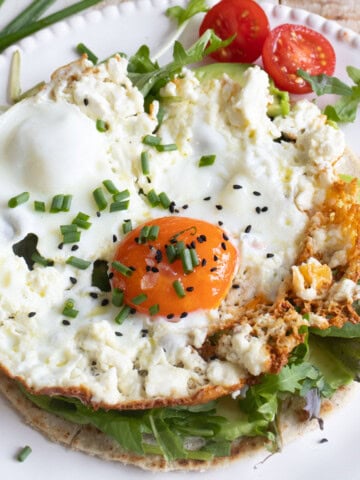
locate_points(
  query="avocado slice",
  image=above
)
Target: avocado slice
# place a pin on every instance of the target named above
(281, 104)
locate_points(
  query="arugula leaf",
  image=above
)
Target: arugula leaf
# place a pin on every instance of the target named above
(348, 330)
(322, 84)
(345, 109)
(354, 74)
(181, 15)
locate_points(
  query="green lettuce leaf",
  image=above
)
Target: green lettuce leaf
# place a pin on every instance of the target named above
(182, 15)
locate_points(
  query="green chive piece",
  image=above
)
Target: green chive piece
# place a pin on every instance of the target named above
(19, 199)
(170, 147)
(139, 299)
(151, 140)
(153, 232)
(123, 314)
(81, 49)
(24, 453)
(171, 253)
(99, 198)
(194, 257)
(118, 206)
(207, 160)
(14, 83)
(101, 125)
(45, 262)
(154, 309)
(179, 289)
(144, 234)
(127, 226)
(117, 297)
(69, 310)
(57, 203)
(164, 200)
(78, 263)
(66, 205)
(81, 220)
(121, 268)
(39, 206)
(32, 91)
(68, 228)
(120, 196)
(179, 247)
(145, 167)
(186, 261)
(110, 187)
(153, 198)
(71, 237)
(29, 14)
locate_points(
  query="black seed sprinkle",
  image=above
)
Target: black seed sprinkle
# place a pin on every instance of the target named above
(158, 256)
(203, 262)
(183, 315)
(225, 237)
(154, 269)
(220, 223)
(93, 363)
(269, 255)
(111, 275)
(219, 207)
(248, 229)
(31, 314)
(170, 316)
(74, 247)
(213, 269)
(132, 268)
(73, 280)
(172, 207)
(98, 214)
(114, 238)
(264, 209)
(185, 206)
(235, 286)
(104, 302)
(132, 311)
(118, 334)
(189, 289)
(144, 331)
(148, 268)
(258, 210)
(201, 238)
(60, 246)
(323, 440)
(236, 186)
(66, 322)
(148, 179)
(177, 210)
(207, 199)
(93, 295)
(257, 194)
(216, 258)
(223, 245)
(86, 102)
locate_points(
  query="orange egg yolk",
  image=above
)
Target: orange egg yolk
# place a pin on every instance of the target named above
(188, 266)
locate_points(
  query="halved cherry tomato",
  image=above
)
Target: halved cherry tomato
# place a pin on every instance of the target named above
(244, 18)
(289, 48)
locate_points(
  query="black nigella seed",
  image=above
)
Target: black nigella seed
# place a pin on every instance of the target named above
(158, 256)
(235, 286)
(248, 229)
(236, 186)
(213, 269)
(111, 275)
(258, 210)
(201, 238)
(60, 246)
(154, 269)
(170, 316)
(98, 214)
(73, 280)
(144, 331)
(216, 258)
(185, 206)
(148, 268)
(74, 247)
(189, 289)
(203, 262)
(114, 238)
(183, 315)
(86, 102)
(104, 302)
(323, 440)
(257, 194)
(118, 334)
(31, 314)
(223, 245)
(93, 295)
(264, 209)
(132, 268)
(207, 199)
(66, 322)
(132, 311)
(220, 223)
(269, 255)
(172, 207)
(225, 237)
(219, 207)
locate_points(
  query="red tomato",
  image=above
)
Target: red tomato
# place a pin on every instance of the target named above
(247, 20)
(291, 47)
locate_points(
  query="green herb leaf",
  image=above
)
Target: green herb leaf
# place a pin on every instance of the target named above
(322, 84)
(181, 15)
(28, 15)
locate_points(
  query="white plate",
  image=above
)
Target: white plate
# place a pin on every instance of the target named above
(125, 28)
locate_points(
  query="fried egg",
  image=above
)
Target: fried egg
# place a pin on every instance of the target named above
(203, 229)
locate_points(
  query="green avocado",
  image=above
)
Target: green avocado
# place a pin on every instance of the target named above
(281, 103)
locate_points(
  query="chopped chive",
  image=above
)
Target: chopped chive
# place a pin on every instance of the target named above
(101, 125)
(81, 49)
(110, 187)
(170, 147)
(118, 206)
(154, 309)
(68, 228)
(145, 168)
(32, 91)
(144, 233)
(153, 198)
(14, 83)
(78, 263)
(81, 220)
(29, 14)
(171, 253)
(151, 140)
(99, 198)
(153, 232)
(121, 268)
(194, 257)
(66, 203)
(45, 262)
(186, 260)
(69, 310)
(207, 160)
(117, 298)
(57, 203)
(71, 237)
(83, 216)
(139, 299)
(39, 206)
(179, 289)
(127, 226)
(123, 314)
(179, 247)
(120, 196)
(19, 199)
(24, 453)
(164, 200)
